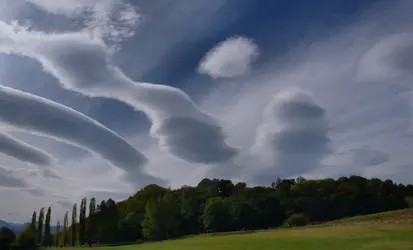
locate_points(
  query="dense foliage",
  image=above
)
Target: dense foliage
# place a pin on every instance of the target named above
(156, 213)
(7, 237)
(27, 239)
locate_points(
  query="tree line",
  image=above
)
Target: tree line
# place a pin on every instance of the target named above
(157, 213)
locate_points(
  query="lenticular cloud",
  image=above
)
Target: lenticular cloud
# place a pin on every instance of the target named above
(82, 64)
(231, 58)
(36, 114)
(22, 151)
(293, 137)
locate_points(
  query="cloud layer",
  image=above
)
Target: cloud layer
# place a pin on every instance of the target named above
(83, 64)
(23, 151)
(36, 114)
(232, 57)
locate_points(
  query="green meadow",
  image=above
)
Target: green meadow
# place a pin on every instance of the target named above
(391, 230)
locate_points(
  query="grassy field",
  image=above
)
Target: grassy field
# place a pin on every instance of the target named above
(392, 230)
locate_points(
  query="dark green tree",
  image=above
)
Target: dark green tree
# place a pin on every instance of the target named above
(91, 222)
(111, 221)
(217, 217)
(241, 213)
(27, 239)
(33, 222)
(73, 227)
(191, 211)
(57, 234)
(65, 235)
(40, 227)
(160, 221)
(82, 222)
(47, 240)
(7, 237)
(130, 228)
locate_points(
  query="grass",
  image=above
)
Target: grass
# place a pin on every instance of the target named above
(392, 217)
(391, 230)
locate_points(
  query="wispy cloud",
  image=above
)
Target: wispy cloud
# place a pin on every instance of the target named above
(230, 58)
(109, 19)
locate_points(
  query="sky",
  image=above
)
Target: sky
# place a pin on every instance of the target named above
(99, 98)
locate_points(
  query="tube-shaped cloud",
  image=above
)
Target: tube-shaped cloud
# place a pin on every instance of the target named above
(34, 113)
(23, 151)
(83, 64)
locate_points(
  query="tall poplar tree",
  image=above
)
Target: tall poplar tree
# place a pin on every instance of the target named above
(65, 236)
(47, 241)
(82, 222)
(33, 223)
(91, 222)
(40, 226)
(73, 231)
(57, 234)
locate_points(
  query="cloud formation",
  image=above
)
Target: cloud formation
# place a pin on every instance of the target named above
(293, 136)
(23, 151)
(366, 156)
(110, 19)
(391, 57)
(231, 58)
(82, 64)
(9, 180)
(36, 114)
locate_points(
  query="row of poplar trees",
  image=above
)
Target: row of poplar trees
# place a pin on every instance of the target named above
(77, 232)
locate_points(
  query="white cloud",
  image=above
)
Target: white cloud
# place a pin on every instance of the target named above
(113, 20)
(33, 113)
(391, 57)
(23, 151)
(65, 7)
(231, 58)
(82, 64)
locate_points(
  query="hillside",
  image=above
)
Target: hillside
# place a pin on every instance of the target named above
(389, 230)
(404, 216)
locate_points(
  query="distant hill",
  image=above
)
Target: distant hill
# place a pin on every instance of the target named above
(19, 227)
(16, 227)
(4, 224)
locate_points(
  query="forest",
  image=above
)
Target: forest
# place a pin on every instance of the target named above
(155, 213)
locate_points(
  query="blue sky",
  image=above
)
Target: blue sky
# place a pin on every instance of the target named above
(102, 97)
